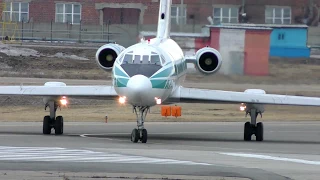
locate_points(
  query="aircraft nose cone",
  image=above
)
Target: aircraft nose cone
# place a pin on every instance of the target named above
(139, 83)
(139, 88)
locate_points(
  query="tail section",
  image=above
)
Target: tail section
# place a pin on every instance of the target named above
(164, 22)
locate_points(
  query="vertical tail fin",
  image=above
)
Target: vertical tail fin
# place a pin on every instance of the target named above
(164, 22)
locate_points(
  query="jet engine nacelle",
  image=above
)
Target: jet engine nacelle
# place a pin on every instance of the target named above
(208, 60)
(107, 54)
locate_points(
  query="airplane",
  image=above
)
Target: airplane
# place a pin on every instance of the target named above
(150, 73)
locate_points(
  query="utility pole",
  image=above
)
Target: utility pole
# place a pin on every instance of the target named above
(243, 5)
(242, 10)
(311, 4)
(181, 13)
(311, 12)
(109, 22)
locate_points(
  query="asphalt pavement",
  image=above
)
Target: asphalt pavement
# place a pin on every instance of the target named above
(291, 150)
(198, 150)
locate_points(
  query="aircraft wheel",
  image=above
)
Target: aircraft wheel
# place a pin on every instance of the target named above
(58, 125)
(135, 135)
(259, 131)
(144, 137)
(247, 131)
(46, 129)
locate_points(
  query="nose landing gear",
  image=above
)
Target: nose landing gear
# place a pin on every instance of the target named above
(140, 133)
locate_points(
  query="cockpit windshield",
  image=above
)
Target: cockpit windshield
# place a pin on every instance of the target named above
(154, 59)
(127, 58)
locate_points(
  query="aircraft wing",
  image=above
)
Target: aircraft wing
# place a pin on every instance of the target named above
(94, 92)
(193, 95)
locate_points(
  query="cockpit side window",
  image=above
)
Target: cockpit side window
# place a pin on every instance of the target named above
(119, 58)
(163, 60)
(155, 59)
(127, 59)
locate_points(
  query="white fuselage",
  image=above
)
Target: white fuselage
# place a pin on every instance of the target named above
(141, 90)
(152, 69)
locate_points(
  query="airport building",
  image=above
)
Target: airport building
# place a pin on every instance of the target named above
(98, 12)
(122, 21)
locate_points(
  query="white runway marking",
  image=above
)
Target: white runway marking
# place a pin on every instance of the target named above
(266, 157)
(48, 154)
(165, 133)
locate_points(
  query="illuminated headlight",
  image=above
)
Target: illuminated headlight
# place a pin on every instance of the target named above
(122, 99)
(63, 101)
(243, 107)
(158, 100)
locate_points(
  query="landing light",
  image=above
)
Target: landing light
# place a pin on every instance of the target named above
(159, 101)
(122, 99)
(63, 101)
(243, 107)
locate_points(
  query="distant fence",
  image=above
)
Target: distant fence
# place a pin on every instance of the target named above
(122, 34)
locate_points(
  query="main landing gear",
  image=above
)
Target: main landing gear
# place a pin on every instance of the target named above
(253, 127)
(140, 133)
(52, 121)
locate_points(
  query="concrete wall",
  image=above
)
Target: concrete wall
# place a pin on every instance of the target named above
(289, 37)
(289, 42)
(257, 49)
(314, 36)
(232, 50)
(245, 50)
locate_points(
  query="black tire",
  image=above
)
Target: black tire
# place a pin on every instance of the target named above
(46, 129)
(259, 132)
(135, 135)
(144, 137)
(58, 126)
(247, 131)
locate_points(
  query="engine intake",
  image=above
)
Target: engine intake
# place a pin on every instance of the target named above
(208, 60)
(107, 55)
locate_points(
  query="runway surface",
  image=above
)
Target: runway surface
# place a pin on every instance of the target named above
(291, 150)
